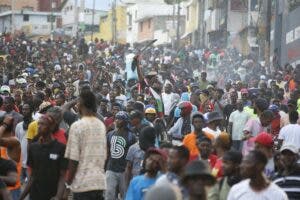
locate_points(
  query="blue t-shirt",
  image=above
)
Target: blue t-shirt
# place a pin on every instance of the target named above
(138, 187)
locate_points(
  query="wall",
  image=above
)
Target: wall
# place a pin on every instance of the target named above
(292, 37)
(37, 24)
(145, 30)
(142, 10)
(20, 4)
(45, 5)
(191, 22)
(105, 26)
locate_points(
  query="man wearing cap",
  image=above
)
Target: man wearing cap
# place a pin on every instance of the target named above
(289, 178)
(255, 184)
(155, 161)
(196, 178)
(118, 143)
(150, 114)
(183, 125)
(213, 121)
(290, 133)
(264, 143)
(190, 140)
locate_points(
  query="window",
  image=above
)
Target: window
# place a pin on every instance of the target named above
(26, 18)
(149, 23)
(71, 7)
(49, 18)
(129, 19)
(135, 14)
(188, 13)
(141, 27)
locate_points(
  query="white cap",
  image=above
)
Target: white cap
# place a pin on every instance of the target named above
(5, 88)
(57, 67)
(289, 147)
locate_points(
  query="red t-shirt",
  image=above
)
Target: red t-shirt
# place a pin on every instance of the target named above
(212, 159)
(60, 136)
(217, 170)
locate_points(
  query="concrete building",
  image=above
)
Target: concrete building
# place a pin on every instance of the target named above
(285, 33)
(219, 23)
(107, 24)
(45, 5)
(30, 22)
(6, 5)
(68, 13)
(157, 27)
(141, 10)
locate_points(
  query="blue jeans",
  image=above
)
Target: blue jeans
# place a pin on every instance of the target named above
(115, 183)
(15, 194)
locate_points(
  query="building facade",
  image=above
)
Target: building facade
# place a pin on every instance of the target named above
(85, 18)
(138, 11)
(108, 24)
(157, 27)
(6, 5)
(29, 22)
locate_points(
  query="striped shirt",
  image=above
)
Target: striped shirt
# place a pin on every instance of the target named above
(290, 184)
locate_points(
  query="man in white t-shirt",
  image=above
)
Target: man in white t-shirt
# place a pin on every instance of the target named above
(167, 97)
(256, 185)
(237, 122)
(290, 133)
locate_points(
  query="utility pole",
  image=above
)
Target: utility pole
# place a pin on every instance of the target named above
(173, 25)
(268, 36)
(52, 19)
(81, 16)
(13, 17)
(93, 19)
(178, 25)
(76, 19)
(114, 22)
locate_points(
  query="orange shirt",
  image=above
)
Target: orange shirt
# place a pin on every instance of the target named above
(189, 141)
(19, 168)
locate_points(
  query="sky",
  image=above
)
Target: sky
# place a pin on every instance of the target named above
(100, 4)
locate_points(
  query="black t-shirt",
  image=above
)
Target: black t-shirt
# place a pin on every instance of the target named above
(46, 162)
(7, 166)
(118, 146)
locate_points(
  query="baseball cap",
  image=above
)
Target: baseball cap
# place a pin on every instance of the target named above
(158, 151)
(289, 147)
(264, 139)
(274, 108)
(5, 88)
(122, 115)
(150, 111)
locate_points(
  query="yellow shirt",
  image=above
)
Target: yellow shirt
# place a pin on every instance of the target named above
(32, 130)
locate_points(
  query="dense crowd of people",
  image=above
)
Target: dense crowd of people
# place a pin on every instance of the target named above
(91, 120)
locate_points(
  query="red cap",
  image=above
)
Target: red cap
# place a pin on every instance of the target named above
(264, 139)
(158, 151)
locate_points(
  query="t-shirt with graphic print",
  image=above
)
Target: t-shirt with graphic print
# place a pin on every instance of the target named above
(118, 145)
